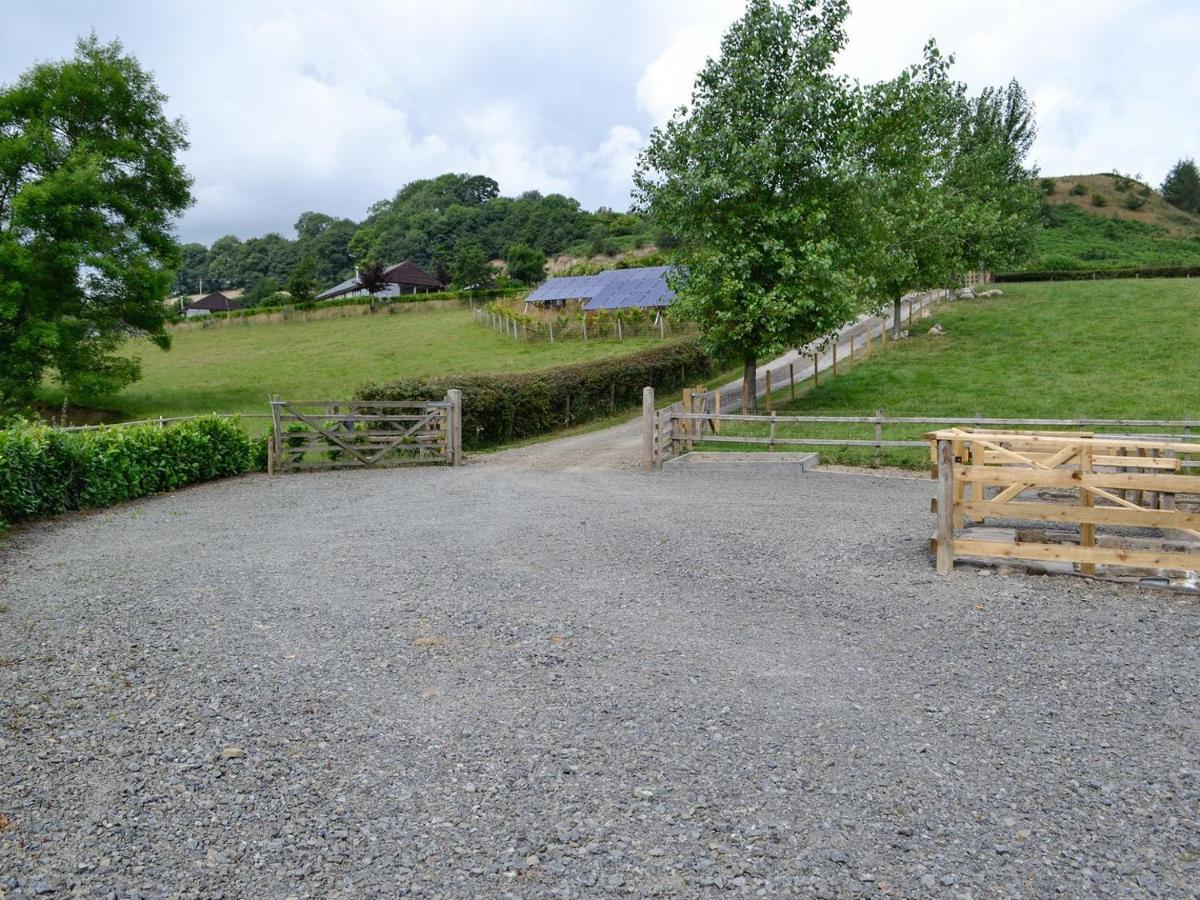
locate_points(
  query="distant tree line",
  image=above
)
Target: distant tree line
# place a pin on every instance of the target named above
(452, 226)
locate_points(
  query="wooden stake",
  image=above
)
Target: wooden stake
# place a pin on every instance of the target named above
(834, 364)
(816, 370)
(945, 507)
(768, 394)
(792, 378)
(1087, 531)
(717, 412)
(648, 428)
(878, 438)
(687, 423)
(771, 443)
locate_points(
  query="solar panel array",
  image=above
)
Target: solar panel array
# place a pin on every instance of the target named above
(611, 289)
(633, 288)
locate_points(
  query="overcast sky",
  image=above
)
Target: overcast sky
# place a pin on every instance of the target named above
(331, 105)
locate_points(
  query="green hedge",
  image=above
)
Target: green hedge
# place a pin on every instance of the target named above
(45, 471)
(1096, 274)
(501, 408)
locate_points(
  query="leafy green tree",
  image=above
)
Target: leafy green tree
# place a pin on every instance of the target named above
(373, 278)
(261, 292)
(471, 270)
(908, 129)
(90, 186)
(302, 284)
(1181, 187)
(225, 262)
(757, 179)
(192, 274)
(995, 195)
(525, 264)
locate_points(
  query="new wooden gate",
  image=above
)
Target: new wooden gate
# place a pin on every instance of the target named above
(331, 434)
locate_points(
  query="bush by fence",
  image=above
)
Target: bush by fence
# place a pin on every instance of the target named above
(1096, 274)
(45, 471)
(502, 408)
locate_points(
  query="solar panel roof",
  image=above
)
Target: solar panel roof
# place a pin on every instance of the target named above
(611, 289)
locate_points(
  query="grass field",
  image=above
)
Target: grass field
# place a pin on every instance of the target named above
(234, 368)
(1103, 349)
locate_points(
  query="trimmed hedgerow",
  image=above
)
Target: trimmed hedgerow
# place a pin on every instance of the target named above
(1094, 274)
(501, 408)
(45, 471)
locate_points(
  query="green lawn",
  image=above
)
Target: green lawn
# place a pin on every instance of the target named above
(1103, 349)
(234, 368)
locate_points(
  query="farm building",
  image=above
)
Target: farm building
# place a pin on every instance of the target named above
(403, 278)
(644, 288)
(210, 303)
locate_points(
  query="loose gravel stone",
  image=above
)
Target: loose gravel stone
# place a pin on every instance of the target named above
(507, 681)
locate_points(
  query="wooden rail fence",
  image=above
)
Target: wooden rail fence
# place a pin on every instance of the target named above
(1132, 484)
(332, 434)
(699, 419)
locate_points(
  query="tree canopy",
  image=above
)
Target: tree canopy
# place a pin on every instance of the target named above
(800, 199)
(90, 186)
(757, 180)
(1181, 187)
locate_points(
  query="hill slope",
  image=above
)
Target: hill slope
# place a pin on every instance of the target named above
(1110, 222)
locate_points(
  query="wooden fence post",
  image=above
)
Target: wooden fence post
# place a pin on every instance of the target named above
(1087, 531)
(816, 370)
(945, 506)
(878, 438)
(687, 423)
(648, 428)
(792, 378)
(454, 432)
(834, 364)
(771, 445)
(717, 411)
(768, 393)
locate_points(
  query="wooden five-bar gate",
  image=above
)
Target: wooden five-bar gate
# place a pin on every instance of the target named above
(330, 434)
(1072, 485)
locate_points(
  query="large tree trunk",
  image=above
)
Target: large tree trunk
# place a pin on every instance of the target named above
(896, 305)
(749, 384)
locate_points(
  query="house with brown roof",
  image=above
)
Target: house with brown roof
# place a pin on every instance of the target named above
(403, 278)
(210, 303)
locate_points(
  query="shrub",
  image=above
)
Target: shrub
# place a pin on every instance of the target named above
(501, 408)
(1077, 190)
(1048, 185)
(1134, 201)
(1098, 200)
(46, 471)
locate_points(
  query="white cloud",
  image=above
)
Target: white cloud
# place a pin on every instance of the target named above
(305, 104)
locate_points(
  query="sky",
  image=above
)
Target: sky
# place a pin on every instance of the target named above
(332, 106)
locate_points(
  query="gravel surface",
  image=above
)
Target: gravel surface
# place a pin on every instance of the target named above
(590, 683)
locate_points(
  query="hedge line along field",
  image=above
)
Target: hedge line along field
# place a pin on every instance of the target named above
(1072, 349)
(232, 368)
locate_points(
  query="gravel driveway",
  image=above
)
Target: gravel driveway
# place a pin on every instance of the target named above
(587, 683)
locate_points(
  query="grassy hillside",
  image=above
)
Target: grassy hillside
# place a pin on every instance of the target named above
(1090, 222)
(1103, 349)
(233, 369)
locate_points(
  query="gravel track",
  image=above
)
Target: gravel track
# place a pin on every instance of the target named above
(588, 683)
